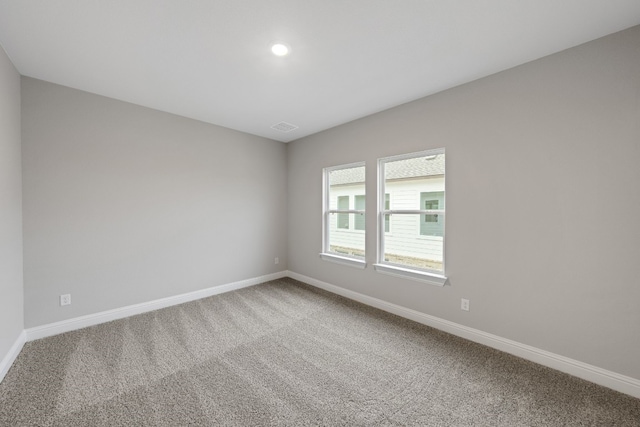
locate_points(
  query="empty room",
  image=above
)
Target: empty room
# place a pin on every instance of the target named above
(358, 213)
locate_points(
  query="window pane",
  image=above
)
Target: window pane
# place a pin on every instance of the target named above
(414, 168)
(343, 241)
(347, 177)
(409, 247)
(343, 184)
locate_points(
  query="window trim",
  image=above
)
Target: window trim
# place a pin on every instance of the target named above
(325, 254)
(343, 259)
(434, 277)
(411, 274)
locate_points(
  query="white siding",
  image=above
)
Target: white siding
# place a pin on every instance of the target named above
(348, 238)
(404, 236)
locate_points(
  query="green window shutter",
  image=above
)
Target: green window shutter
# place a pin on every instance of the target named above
(343, 218)
(431, 224)
(359, 206)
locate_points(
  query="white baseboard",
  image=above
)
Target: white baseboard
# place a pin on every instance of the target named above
(131, 310)
(14, 351)
(594, 374)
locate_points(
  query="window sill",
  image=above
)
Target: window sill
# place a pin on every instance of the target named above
(407, 273)
(351, 262)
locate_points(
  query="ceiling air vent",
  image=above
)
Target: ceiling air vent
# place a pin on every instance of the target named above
(284, 127)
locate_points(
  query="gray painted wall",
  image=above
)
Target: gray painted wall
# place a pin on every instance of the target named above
(124, 204)
(543, 204)
(11, 291)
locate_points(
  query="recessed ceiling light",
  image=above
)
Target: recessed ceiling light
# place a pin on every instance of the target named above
(280, 49)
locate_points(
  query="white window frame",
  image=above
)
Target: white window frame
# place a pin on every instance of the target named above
(326, 254)
(413, 273)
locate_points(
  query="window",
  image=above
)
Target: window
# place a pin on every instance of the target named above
(416, 182)
(343, 224)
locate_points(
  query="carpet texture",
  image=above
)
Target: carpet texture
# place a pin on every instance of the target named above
(285, 353)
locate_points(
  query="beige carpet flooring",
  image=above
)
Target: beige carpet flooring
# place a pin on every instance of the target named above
(285, 353)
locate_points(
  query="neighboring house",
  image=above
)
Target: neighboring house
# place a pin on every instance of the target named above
(412, 184)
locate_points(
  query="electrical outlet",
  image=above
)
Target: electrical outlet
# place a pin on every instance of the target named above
(276, 260)
(464, 304)
(65, 299)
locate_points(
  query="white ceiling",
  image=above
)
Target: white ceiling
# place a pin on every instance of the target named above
(210, 59)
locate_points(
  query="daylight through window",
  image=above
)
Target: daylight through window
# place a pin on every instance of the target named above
(344, 214)
(416, 184)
